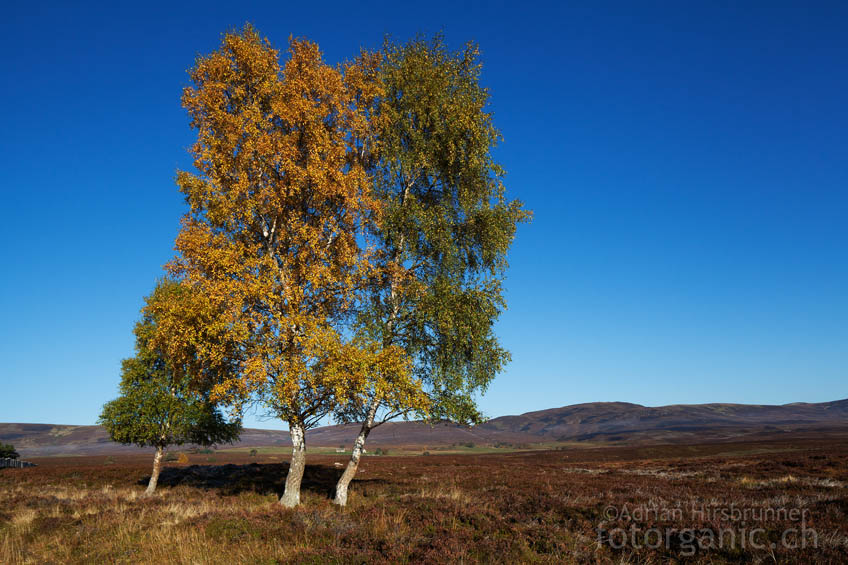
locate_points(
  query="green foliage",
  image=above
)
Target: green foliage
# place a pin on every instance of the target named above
(446, 227)
(8, 451)
(156, 408)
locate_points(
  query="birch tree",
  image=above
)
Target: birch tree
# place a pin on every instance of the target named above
(442, 238)
(159, 406)
(277, 237)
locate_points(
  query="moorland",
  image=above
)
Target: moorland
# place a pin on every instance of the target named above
(776, 500)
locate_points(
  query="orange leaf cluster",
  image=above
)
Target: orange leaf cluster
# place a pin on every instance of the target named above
(275, 251)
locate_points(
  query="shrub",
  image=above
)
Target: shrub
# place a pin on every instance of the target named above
(8, 451)
(253, 452)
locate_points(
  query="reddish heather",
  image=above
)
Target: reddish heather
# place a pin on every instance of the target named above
(614, 504)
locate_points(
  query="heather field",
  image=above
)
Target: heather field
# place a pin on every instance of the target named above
(771, 501)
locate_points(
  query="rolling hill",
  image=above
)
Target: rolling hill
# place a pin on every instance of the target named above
(617, 421)
(592, 423)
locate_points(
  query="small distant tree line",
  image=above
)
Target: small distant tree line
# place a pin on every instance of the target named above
(8, 451)
(343, 254)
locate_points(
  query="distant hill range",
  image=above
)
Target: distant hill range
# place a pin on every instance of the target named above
(588, 424)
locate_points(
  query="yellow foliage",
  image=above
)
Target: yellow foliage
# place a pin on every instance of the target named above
(274, 251)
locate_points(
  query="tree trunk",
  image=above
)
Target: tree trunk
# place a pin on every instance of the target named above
(291, 496)
(154, 477)
(358, 447)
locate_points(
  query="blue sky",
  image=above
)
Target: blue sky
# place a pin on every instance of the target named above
(687, 163)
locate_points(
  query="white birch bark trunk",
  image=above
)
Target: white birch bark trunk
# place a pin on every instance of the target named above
(291, 496)
(358, 446)
(154, 477)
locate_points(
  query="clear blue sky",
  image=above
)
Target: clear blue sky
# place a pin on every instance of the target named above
(687, 163)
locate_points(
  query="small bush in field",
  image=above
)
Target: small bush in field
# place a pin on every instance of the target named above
(182, 459)
(8, 451)
(253, 452)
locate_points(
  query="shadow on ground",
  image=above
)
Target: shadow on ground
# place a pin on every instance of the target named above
(262, 478)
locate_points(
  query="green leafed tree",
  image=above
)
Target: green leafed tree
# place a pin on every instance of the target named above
(159, 406)
(443, 237)
(8, 451)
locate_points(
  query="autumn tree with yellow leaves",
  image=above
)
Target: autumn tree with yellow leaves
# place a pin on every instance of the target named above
(277, 246)
(346, 242)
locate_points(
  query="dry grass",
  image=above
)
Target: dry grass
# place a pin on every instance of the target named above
(547, 507)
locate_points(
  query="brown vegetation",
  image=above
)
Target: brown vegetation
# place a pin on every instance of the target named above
(549, 506)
